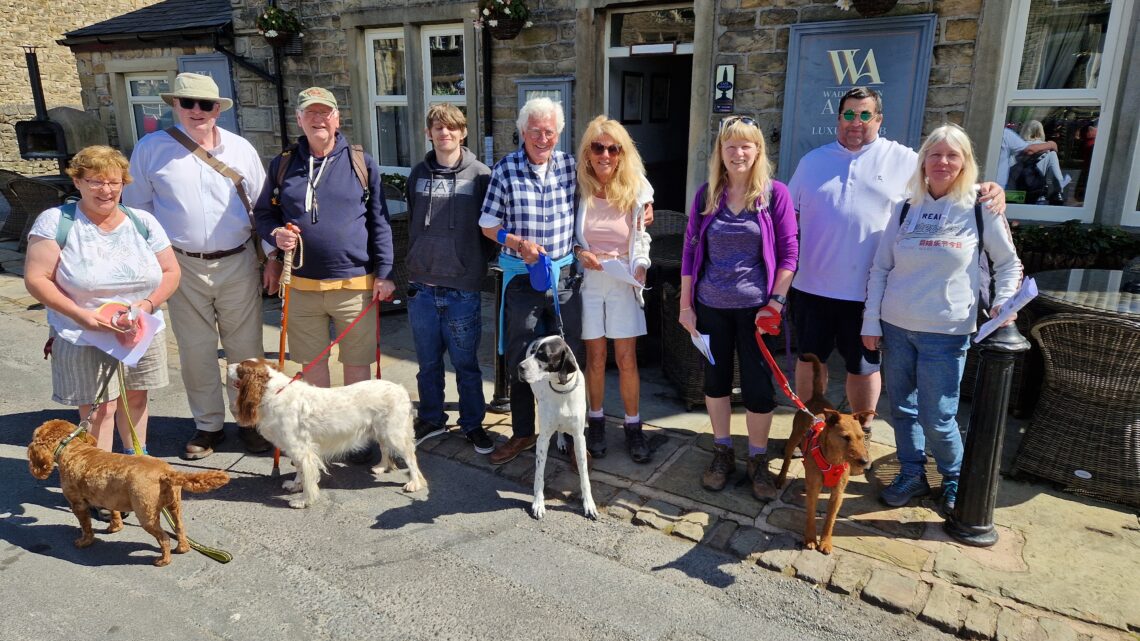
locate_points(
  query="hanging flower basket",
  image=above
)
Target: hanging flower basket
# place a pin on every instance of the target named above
(280, 38)
(505, 28)
(871, 8)
(279, 26)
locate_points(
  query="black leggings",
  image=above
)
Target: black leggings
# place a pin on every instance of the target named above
(729, 330)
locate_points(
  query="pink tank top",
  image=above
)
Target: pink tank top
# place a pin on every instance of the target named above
(607, 229)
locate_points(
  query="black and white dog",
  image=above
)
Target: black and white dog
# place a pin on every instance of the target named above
(560, 389)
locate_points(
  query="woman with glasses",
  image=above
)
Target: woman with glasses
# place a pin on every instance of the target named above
(614, 198)
(83, 255)
(922, 304)
(738, 259)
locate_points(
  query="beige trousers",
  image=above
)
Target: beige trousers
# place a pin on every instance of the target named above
(216, 299)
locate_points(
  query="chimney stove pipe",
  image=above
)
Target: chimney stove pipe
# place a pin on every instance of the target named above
(34, 77)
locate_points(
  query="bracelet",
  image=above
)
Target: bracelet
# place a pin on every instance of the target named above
(152, 305)
(686, 309)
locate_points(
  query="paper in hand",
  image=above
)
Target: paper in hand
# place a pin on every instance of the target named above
(130, 354)
(614, 268)
(701, 341)
(1024, 294)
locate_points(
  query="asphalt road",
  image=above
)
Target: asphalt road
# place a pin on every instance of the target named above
(462, 560)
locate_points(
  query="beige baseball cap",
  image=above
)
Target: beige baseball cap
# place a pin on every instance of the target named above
(316, 96)
(195, 85)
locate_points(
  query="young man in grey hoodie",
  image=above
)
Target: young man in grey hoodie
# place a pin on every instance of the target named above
(447, 260)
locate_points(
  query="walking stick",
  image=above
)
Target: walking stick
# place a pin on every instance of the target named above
(286, 279)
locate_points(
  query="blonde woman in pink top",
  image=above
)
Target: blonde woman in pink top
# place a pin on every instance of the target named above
(614, 202)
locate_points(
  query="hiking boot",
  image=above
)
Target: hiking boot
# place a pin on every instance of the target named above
(479, 438)
(252, 441)
(636, 444)
(425, 430)
(763, 489)
(904, 488)
(203, 444)
(512, 448)
(949, 495)
(596, 436)
(723, 465)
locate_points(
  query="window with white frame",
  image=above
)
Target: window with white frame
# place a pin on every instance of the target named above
(388, 88)
(443, 79)
(1061, 72)
(148, 112)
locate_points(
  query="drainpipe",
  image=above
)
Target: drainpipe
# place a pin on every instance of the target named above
(501, 397)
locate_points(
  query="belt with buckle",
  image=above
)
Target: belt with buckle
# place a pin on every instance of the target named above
(212, 255)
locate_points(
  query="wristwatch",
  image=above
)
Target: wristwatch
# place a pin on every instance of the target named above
(776, 298)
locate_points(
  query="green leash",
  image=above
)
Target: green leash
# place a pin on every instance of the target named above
(217, 554)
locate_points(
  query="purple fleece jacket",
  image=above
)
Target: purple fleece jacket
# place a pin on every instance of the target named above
(778, 232)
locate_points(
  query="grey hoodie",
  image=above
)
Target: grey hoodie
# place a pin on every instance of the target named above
(447, 247)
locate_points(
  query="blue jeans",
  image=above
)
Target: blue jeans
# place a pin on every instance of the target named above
(451, 320)
(922, 372)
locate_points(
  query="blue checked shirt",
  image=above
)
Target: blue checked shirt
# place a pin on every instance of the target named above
(540, 213)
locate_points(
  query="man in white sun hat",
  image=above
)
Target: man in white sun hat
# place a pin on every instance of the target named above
(199, 180)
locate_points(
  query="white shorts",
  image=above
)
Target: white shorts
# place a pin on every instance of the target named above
(609, 308)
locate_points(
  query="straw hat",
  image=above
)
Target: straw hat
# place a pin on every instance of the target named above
(194, 85)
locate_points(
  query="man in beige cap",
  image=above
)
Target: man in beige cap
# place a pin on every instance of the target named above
(331, 191)
(203, 207)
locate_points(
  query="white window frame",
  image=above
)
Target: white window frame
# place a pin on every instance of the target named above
(1102, 96)
(133, 100)
(1131, 217)
(626, 52)
(426, 34)
(375, 100)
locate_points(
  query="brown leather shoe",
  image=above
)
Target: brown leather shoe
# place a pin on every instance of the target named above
(723, 465)
(763, 489)
(202, 445)
(512, 448)
(253, 441)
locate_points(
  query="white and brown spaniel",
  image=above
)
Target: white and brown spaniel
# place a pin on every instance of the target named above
(315, 424)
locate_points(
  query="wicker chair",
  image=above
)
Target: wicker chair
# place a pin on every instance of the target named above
(684, 366)
(32, 196)
(14, 223)
(1085, 432)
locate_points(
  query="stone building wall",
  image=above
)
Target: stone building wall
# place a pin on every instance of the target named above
(34, 22)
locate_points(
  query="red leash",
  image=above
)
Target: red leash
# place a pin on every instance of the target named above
(811, 445)
(324, 353)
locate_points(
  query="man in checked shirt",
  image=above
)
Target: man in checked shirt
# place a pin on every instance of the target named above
(529, 210)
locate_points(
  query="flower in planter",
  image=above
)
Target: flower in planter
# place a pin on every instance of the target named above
(275, 21)
(490, 12)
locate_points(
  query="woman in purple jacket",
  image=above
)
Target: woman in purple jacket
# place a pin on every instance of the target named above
(739, 257)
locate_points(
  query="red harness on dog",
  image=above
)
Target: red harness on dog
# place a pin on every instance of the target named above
(831, 473)
(811, 445)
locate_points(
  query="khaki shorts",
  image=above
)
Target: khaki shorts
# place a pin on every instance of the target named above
(78, 372)
(308, 330)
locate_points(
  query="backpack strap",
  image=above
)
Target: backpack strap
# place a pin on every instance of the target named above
(360, 168)
(284, 159)
(67, 220)
(905, 209)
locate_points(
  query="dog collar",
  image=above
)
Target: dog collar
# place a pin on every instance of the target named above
(565, 391)
(62, 444)
(831, 473)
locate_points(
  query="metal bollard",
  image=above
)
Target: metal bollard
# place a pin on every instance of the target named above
(501, 398)
(972, 522)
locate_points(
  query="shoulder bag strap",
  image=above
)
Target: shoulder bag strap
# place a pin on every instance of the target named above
(215, 164)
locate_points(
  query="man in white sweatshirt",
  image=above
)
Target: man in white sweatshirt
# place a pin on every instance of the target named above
(844, 192)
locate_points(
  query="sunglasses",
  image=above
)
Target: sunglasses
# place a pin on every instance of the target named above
(204, 105)
(732, 120)
(598, 148)
(864, 116)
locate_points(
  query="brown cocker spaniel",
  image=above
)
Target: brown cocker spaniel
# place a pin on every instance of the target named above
(90, 477)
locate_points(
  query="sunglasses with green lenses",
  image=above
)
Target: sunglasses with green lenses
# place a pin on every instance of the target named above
(864, 116)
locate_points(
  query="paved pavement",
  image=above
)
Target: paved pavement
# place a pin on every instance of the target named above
(1064, 567)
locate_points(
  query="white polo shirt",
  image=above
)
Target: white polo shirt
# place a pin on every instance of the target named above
(845, 199)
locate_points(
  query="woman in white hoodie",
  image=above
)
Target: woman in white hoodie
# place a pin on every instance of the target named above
(614, 199)
(922, 306)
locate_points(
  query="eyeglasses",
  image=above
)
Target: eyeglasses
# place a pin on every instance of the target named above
(864, 116)
(542, 134)
(100, 184)
(598, 148)
(318, 115)
(204, 105)
(732, 120)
